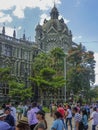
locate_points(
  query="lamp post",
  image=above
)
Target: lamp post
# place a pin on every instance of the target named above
(65, 77)
(65, 63)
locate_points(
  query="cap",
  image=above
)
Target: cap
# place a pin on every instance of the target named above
(24, 120)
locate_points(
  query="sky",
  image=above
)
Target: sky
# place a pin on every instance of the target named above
(81, 16)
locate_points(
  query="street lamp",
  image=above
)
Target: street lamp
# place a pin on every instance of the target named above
(65, 70)
(65, 76)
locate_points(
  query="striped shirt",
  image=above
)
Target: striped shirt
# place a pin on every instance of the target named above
(78, 117)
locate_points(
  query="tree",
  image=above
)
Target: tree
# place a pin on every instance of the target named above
(81, 73)
(5, 75)
(47, 72)
(18, 90)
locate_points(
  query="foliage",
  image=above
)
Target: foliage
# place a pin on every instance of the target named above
(47, 72)
(81, 72)
(46, 109)
(19, 90)
(5, 74)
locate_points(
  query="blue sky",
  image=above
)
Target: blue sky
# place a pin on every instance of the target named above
(81, 17)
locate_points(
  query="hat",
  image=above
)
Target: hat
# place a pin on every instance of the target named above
(41, 113)
(7, 108)
(23, 120)
(2, 113)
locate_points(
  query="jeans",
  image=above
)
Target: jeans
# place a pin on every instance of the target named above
(70, 123)
(93, 127)
(63, 124)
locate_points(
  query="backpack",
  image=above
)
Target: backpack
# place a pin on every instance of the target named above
(81, 125)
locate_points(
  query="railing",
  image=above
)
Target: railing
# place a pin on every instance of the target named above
(15, 39)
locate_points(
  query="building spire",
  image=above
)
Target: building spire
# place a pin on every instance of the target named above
(24, 37)
(3, 29)
(54, 12)
(14, 33)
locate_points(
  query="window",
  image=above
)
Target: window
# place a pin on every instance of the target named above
(7, 50)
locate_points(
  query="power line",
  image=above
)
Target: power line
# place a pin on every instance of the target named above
(89, 42)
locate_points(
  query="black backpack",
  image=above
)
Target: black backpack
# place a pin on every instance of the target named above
(81, 126)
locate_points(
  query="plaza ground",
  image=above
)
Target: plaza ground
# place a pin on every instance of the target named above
(50, 120)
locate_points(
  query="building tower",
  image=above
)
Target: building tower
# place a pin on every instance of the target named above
(53, 33)
(3, 30)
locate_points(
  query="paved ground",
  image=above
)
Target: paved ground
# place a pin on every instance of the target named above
(50, 120)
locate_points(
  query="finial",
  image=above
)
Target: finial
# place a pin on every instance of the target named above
(3, 29)
(54, 12)
(14, 33)
(54, 3)
(24, 37)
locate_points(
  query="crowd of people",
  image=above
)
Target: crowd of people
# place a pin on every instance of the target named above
(32, 117)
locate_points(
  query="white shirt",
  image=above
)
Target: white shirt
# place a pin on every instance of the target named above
(94, 115)
(69, 113)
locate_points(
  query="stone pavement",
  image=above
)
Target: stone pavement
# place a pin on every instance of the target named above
(50, 120)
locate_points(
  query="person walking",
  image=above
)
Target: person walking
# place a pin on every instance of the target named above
(61, 110)
(4, 125)
(69, 117)
(85, 119)
(57, 123)
(19, 111)
(9, 118)
(42, 124)
(94, 118)
(33, 121)
(77, 118)
(13, 112)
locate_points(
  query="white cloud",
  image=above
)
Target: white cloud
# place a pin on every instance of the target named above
(9, 30)
(42, 17)
(19, 28)
(65, 20)
(96, 68)
(21, 5)
(1, 14)
(5, 18)
(77, 38)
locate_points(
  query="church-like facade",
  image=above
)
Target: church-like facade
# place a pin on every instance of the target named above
(19, 53)
(53, 33)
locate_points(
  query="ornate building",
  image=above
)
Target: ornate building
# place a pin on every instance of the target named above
(53, 33)
(19, 53)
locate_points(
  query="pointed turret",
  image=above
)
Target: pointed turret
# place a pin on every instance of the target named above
(24, 36)
(14, 33)
(3, 30)
(54, 13)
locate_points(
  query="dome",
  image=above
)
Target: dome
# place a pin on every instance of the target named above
(57, 24)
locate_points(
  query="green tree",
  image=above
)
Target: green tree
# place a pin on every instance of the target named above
(5, 75)
(81, 73)
(47, 72)
(18, 90)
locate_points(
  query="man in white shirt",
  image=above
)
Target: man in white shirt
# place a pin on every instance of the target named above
(94, 118)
